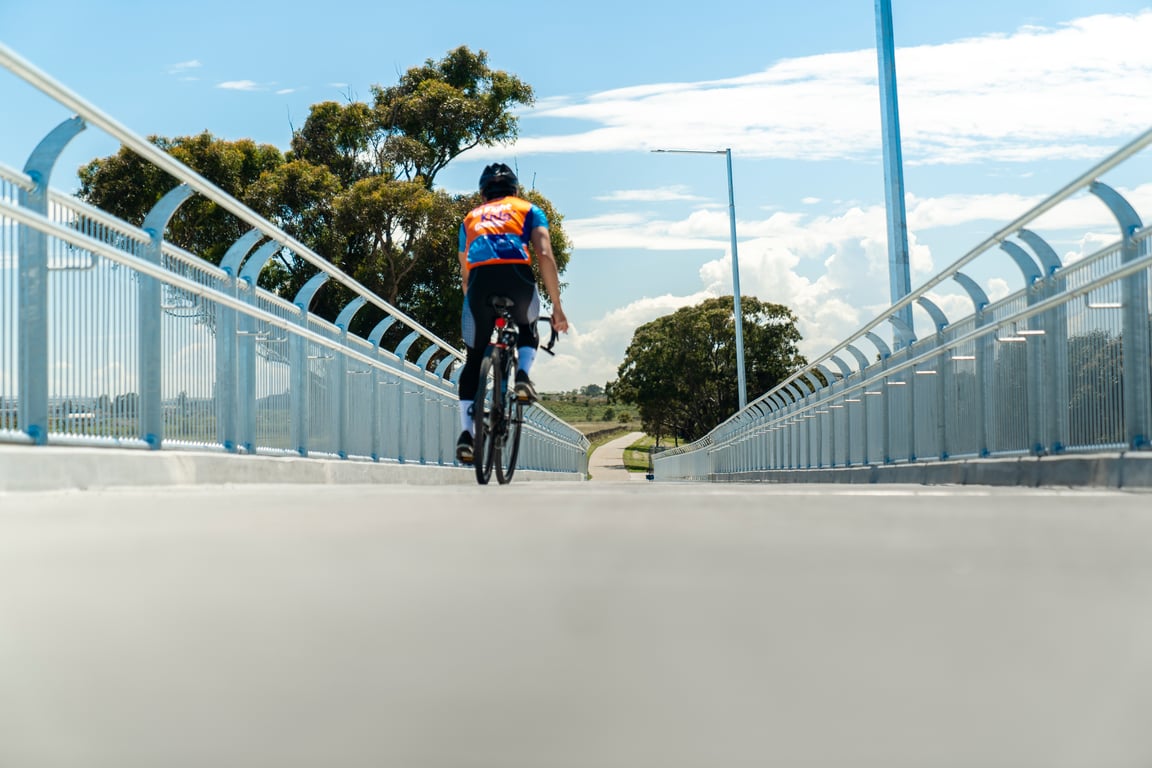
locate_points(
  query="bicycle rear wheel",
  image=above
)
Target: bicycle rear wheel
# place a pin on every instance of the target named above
(508, 447)
(487, 407)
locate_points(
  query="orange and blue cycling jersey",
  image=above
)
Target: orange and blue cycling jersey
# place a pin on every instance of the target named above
(498, 232)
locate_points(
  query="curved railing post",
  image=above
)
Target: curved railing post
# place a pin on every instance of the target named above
(247, 279)
(845, 369)
(944, 380)
(985, 354)
(861, 400)
(430, 400)
(1135, 352)
(401, 352)
(442, 366)
(32, 285)
(885, 352)
(425, 356)
(378, 448)
(845, 372)
(150, 316)
(808, 418)
(1034, 373)
(794, 431)
(300, 366)
(227, 401)
(830, 412)
(340, 388)
(775, 433)
(904, 338)
(1055, 323)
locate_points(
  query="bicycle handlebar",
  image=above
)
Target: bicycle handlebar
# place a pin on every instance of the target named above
(552, 339)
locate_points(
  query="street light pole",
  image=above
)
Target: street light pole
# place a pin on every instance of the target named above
(741, 382)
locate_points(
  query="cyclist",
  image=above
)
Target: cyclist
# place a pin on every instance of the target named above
(495, 260)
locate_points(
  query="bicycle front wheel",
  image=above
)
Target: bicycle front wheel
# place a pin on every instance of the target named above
(508, 447)
(487, 407)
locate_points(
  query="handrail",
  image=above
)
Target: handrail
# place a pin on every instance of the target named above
(124, 258)
(1113, 160)
(164, 161)
(1067, 401)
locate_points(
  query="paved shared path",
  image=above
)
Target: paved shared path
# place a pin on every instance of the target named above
(606, 464)
(575, 625)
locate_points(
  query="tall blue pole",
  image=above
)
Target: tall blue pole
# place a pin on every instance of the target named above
(900, 281)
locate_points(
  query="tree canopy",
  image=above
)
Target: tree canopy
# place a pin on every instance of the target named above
(357, 187)
(680, 369)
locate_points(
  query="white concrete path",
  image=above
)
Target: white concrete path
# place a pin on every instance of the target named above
(606, 464)
(575, 625)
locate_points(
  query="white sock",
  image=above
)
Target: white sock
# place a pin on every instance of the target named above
(527, 355)
(466, 423)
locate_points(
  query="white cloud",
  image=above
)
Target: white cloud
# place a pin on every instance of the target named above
(665, 194)
(184, 67)
(240, 85)
(997, 288)
(285, 91)
(623, 231)
(593, 356)
(1059, 92)
(830, 269)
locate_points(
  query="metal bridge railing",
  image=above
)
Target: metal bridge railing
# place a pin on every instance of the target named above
(1062, 366)
(111, 336)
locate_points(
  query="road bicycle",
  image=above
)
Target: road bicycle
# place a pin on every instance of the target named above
(499, 411)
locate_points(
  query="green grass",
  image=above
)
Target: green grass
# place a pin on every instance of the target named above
(591, 414)
(636, 455)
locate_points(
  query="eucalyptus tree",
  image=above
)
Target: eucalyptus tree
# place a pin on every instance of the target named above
(680, 369)
(357, 186)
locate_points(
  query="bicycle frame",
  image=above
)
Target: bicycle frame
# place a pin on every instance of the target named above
(498, 423)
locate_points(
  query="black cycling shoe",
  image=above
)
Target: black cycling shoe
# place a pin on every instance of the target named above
(464, 448)
(525, 389)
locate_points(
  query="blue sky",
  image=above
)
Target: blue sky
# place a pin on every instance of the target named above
(1001, 104)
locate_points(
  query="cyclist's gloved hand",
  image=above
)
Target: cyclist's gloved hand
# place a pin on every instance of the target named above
(559, 320)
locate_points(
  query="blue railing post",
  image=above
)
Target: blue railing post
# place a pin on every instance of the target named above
(985, 357)
(944, 380)
(246, 347)
(1135, 335)
(343, 321)
(227, 402)
(300, 365)
(150, 317)
(32, 285)
(403, 423)
(1034, 373)
(885, 417)
(1055, 324)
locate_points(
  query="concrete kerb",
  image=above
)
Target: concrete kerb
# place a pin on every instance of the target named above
(54, 468)
(1128, 469)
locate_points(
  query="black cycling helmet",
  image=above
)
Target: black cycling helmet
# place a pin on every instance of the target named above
(498, 180)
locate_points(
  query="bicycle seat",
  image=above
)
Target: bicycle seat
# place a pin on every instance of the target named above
(501, 302)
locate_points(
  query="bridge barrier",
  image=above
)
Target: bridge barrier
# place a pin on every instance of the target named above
(111, 336)
(1061, 368)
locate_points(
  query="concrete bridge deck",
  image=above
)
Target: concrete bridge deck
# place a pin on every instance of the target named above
(560, 624)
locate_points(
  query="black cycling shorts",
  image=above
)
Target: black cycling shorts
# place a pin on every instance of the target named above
(515, 281)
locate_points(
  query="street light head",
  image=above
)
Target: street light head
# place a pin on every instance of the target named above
(692, 151)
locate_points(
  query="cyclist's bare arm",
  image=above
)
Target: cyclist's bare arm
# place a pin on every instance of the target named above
(542, 247)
